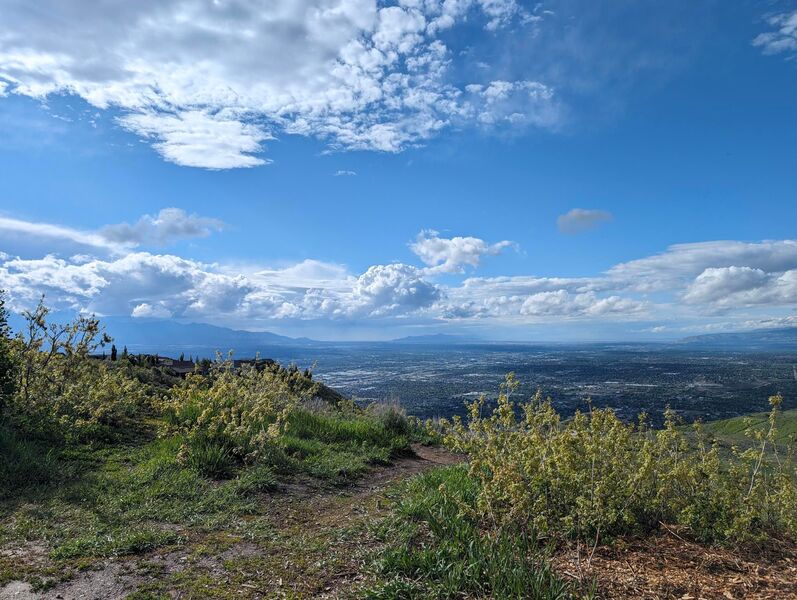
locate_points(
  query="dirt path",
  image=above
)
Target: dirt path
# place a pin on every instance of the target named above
(311, 542)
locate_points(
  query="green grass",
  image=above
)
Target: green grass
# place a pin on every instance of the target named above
(23, 463)
(351, 430)
(127, 500)
(338, 448)
(434, 550)
(733, 430)
(85, 503)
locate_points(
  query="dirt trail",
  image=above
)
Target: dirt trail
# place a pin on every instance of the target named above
(314, 548)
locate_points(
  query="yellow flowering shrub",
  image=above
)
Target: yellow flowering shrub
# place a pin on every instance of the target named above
(594, 475)
(60, 392)
(233, 415)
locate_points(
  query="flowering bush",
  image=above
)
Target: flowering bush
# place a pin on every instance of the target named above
(230, 415)
(595, 475)
(60, 392)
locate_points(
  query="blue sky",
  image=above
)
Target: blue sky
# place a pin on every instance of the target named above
(351, 169)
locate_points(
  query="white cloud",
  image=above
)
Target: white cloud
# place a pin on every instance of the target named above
(452, 255)
(393, 289)
(27, 238)
(513, 103)
(21, 237)
(717, 283)
(169, 225)
(563, 303)
(783, 39)
(579, 220)
(746, 282)
(345, 173)
(734, 287)
(680, 264)
(208, 82)
(157, 311)
(150, 285)
(196, 138)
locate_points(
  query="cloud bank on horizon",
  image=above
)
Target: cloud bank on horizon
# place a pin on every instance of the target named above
(730, 280)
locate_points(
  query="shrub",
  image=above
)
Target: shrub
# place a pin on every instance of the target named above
(392, 416)
(594, 475)
(60, 392)
(230, 416)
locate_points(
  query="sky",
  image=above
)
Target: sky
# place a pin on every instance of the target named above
(363, 170)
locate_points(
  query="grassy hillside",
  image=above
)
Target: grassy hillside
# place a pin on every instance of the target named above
(734, 430)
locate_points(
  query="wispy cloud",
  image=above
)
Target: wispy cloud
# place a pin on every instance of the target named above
(579, 220)
(784, 37)
(342, 173)
(169, 225)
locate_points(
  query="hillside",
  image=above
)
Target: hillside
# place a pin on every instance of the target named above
(784, 338)
(170, 337)
(733, 430)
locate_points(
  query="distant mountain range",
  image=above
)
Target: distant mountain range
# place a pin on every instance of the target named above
(170, 337)
(784, 338)
(437, 338)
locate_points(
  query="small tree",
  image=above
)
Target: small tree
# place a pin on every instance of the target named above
(113, 352)
(125, 354)
(182, 356)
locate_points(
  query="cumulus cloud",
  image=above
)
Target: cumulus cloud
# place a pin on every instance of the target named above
(734, 287)
(169, 225)
(145, 310)
(745, 281)
(716, 283)
(563, 303)
(206, 83)
(783, 40)
(579, 220)
(142, 284)
(393, 289)
(680, 264)
(452, 255)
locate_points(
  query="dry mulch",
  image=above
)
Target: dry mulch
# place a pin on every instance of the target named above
(666, 565)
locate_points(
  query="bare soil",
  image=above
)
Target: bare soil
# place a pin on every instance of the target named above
(315, 548)
(668, 566)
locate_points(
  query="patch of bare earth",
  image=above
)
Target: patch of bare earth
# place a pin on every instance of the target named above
(667, 566)
(334, 523)
(315, 547)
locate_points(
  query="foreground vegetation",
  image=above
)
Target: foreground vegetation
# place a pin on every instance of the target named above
(536, 483)
(100, 459)
(251, 472)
